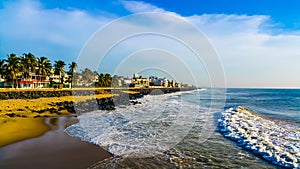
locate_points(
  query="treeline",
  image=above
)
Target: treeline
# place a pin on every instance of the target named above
(15, 66)
(89, 78)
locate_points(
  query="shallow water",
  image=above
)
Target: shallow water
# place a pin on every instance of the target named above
(181, 129)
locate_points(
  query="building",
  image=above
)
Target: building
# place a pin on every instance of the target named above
(155, 81)
(139, 81)
(127, 81)
(33, 80)
(57, 79)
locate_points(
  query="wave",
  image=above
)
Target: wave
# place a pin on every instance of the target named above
(154, 126)
(274, 140)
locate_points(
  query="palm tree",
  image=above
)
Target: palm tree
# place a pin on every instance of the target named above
(72, 68)
(100, 79)
(28, 63)
(44, 67)
(72, 71)
(107, 80)
(2, 68)
(59, 69)
(13, 68)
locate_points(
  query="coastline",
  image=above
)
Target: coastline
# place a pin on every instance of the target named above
(54, 149)
(25, 116)
(44, 144)
(19, 129)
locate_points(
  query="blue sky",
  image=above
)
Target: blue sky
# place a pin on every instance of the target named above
(257, 41)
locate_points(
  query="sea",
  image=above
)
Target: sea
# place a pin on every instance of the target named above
(203, 128)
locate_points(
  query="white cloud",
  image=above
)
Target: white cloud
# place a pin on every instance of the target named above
(141, 7)
(137, 7)
(28, 27)
(252, 53)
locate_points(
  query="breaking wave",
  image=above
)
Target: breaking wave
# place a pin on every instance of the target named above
(275, 140)
(155, 125)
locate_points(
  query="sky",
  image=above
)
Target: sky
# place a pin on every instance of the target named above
(256, 42)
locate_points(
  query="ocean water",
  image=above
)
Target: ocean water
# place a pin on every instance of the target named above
(199, 129)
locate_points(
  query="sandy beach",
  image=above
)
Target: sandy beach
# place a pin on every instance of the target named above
(54, 149)
(25, 115)
(32, 134)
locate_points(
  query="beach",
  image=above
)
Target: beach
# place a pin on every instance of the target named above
(24, 115)
(53, 149)
(32, 133)
(129, 136)
(32, 129)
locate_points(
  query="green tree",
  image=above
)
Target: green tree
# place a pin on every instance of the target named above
(2, 68)
(72, 68)
(104, 80)
(115, 81)
(72, 72)
(44, 67)
(107, 80)
(59, 69)
(100, 79)
(88, 77)
(13, 68)
(28, 64)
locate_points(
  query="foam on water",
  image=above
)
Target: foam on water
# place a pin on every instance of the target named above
(275, 141)
(153, 126)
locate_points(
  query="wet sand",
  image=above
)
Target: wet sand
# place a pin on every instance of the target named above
(54, 149)
(20, 115)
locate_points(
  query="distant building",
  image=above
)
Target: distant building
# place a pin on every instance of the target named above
(58, 79)
(127, 81)
(139, 81)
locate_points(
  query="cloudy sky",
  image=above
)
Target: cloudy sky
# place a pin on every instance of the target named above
(257, 42)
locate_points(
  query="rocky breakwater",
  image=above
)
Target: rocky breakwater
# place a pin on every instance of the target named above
(120, 98)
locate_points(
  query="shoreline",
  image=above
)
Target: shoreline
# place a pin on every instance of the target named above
(20, 129)
(21, 119)
(32, 111)
(54, 149)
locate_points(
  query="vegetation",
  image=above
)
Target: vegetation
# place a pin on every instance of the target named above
(72, 71)
(44, 66)
(2, 68)
(104, 79)
(29, 69)
(23, 66)
(59, 69)
(28, 64)
(12, 68)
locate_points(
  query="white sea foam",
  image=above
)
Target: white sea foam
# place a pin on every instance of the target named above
(275, 141)
(155, 125)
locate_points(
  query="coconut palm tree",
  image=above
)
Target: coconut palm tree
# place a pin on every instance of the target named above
(72, 68)
(107, 80)
(59, 69)
(28, 63)
(13, 68)
(100, 79)
(2, 68)
(72, 71)
(44, 67)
